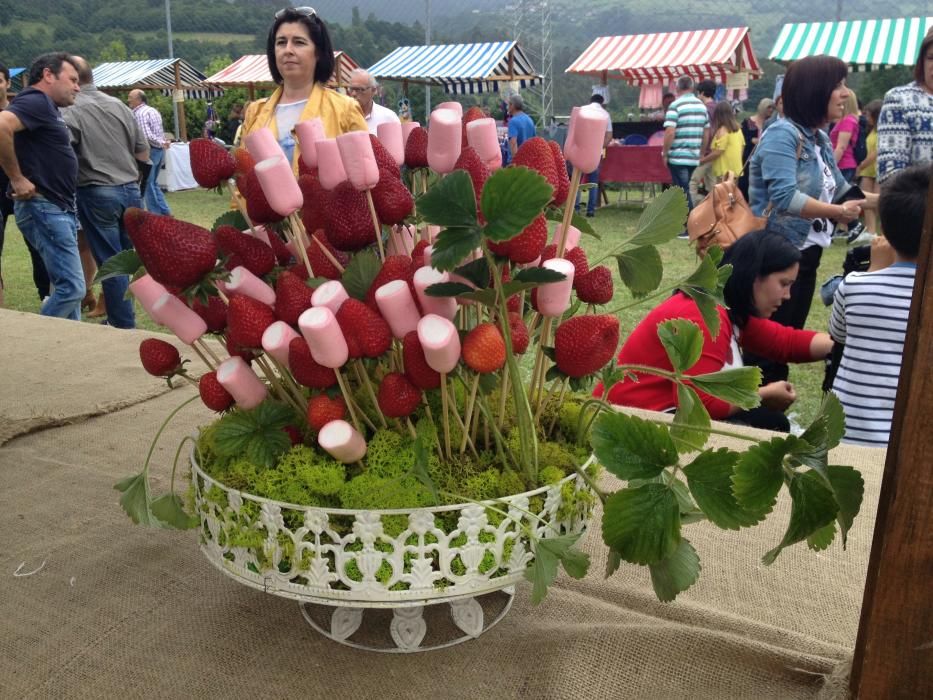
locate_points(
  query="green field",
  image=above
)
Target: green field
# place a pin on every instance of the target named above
(211, 37)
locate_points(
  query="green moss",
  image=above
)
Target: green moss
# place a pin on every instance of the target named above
(389, 454)
(550, 475)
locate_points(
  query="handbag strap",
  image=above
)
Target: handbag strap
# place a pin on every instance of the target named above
(768, 209)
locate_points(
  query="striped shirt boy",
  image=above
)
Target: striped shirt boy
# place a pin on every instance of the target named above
(689, 118)
(870, 317)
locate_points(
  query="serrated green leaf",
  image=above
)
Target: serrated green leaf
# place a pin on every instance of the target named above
(710, 478)
(230, 218)
(641, 269)
(613, 562)
(553, 373)
(682, 494)
(476, 272)
(171, 512)
(486, 297)
(488, 383)
(759, 475)
(812, 508)
(450, 202)
(691, 424)
(683, 342)
(662, 219)
(256, 434)
(453, 245)
(233, 433)
(642, 524)
(822, 538)
(574, 561)
(632, 448)
(448, 289)
(677, 572)
(738, 386)
(126, 262)
(425, 437)
(360, 273)
(512, 198)
(835, 419)
(705, 276)
(708, 306)
(548, 552)
(267, 446)
(578, 221)
(136, 499)
(538, 275)
(848, 488)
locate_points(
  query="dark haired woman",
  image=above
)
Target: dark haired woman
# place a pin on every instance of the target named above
(793, 177)
(301, 61)
(764, 268)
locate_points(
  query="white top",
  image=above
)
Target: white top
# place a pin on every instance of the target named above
(824, 237)
(380, 115)
(286, 116)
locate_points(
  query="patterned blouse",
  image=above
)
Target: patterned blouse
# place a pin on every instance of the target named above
(905, 129)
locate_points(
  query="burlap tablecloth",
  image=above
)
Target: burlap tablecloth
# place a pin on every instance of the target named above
(122, 611)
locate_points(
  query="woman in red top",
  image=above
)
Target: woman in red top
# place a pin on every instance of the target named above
(764, 268)
(843, 137)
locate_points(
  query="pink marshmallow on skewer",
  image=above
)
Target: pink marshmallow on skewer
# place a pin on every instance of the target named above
(276, 339)
(320, 329)
(331, 294)
(573, 236)
(427, 254)
(398, 307)
(554, 297)
(390, 134)
(279, 185)
(401, 241)
(342, 441)
(440, 341)
(243, 281)
(359, 161)
(407, 128)
(172, 313)
(330, 166)
(589, 131)
(261, 145)
(483, 136)
(455, 106)
(241, 381)
(445, 137)
(309, 133)
(147, 291)
(441, 306)
(261, 234)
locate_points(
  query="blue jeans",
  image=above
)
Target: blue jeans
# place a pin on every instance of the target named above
(100, 208)
(54, 233)
(681, 175)
(155, 200)
(593, 196)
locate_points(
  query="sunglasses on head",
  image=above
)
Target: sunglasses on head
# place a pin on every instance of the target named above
(304, 11)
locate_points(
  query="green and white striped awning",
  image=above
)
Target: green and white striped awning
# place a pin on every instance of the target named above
(866, 44)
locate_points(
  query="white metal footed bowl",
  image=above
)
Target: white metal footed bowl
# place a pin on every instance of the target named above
(403, 560)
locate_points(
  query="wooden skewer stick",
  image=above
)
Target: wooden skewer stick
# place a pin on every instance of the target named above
(568, 211)
(376, 224)
(328, 254)
(348, 399)
(210, 365)
(362, 376)
(207, 348)
(241, 207)
(298, 235)
(469, 413)
(446, 416)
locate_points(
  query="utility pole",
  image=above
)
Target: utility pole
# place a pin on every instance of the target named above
(427, 42)
(171, 54)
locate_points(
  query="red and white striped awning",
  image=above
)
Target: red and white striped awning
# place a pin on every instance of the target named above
(254, 70)
(658, 58)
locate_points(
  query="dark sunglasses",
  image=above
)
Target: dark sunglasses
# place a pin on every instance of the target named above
(304, 11)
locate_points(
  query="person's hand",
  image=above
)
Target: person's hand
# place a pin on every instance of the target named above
(850, 211)
(882, 254)
(23, 188)
(777, 395)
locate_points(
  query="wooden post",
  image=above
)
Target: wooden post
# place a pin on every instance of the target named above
(182, 125)
(894, 650)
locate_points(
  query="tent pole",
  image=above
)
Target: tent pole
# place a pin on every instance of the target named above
(180, 105)
(427, 42)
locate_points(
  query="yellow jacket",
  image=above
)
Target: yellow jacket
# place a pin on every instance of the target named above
(339, 114)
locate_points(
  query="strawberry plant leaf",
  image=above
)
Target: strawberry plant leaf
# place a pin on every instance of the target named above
(759, 475)
(549, 551)
(710, 478)
(256, 434)
(613, 562)
(706, 274)
(541, 572)
(738, 386)
(642, 524)
(512, 198)
(360, 273)
(813, 507)
(476, 272)
(677, 572)
(448, 289)
(453, 244)
(662, 219)
(708, 307)
(171, 512)
(450, 202)
(578, 221)
(126, 262)
(424, 440)
(632, 448)
(691, 424)
(537, 275)
(822, 538)
(136, 499)
(848, 488)
(230, 218)
(640, 269)
(683, 342)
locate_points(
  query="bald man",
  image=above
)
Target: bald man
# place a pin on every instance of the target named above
(364, 87)
(150, 121)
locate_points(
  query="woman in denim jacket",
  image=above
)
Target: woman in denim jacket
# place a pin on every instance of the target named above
(794, 179)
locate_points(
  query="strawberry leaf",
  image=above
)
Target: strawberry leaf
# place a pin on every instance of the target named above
(708, 307)
(126, 262)
(683, 342)
(676, 572)
(136, 499)
(454, 243)
(256, 434)
(822, 538)
(425, 437)
(537, 275)
(813, 507)
(662, 219)
(582, 224)
(448, 289)
(691, 422)
(642, 524)
(848, 488)
(709, 476)
(759, 474)
(632, 448)
(548, 553)
(476, 272)
(738, 386)
(512, 198)
(170, 511)
(360, 273)
(450, 202)
(230, 218)
(640, 269)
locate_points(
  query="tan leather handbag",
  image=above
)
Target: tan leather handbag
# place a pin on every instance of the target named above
(722, 218)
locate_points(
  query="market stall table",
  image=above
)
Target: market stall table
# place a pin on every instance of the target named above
(176, 170)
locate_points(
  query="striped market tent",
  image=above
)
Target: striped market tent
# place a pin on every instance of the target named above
(252, 72)
(165, 74)
(865, 45)
(459, 68)
(644, 59)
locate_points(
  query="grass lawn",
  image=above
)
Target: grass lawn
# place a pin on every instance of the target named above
(613, 223)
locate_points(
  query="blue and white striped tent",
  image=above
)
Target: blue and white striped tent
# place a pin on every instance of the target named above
(157, 74)
(459, 68)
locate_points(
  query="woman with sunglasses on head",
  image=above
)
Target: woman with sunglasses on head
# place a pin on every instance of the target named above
(301, 61)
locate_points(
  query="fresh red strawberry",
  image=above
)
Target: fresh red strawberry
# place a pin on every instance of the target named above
(257, 206)
(282, 254)
(584, 344)
(514, 304)
(536, 154)
(595, 287)
(305, 369)
(234, 349)
(321, 266)
(470, 161)
(395, 267)
(292, 298)
(314, 209)
(213, 394)
(471, 115)
(398, 397)
(294, 434)
(580, 264)
(247, 320)
(417, 368)
(384, 159)
(349, 223)
(548, 252)
(416, 148)
(211, 164)
(563, 182)
(305, 169)
(366, 332)
(519, 333)
(527, 245)
(214, 312)
(417, 254)
(245, 250)
(243, 160)
(322, 409)
(159, 358)
(392, 200)
(484, 349)
(174, 252)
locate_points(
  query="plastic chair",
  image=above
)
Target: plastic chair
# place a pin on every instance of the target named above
(635, 140)
(656, 139)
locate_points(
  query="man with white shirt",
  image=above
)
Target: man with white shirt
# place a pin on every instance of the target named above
(364, 87)
(593, 177)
